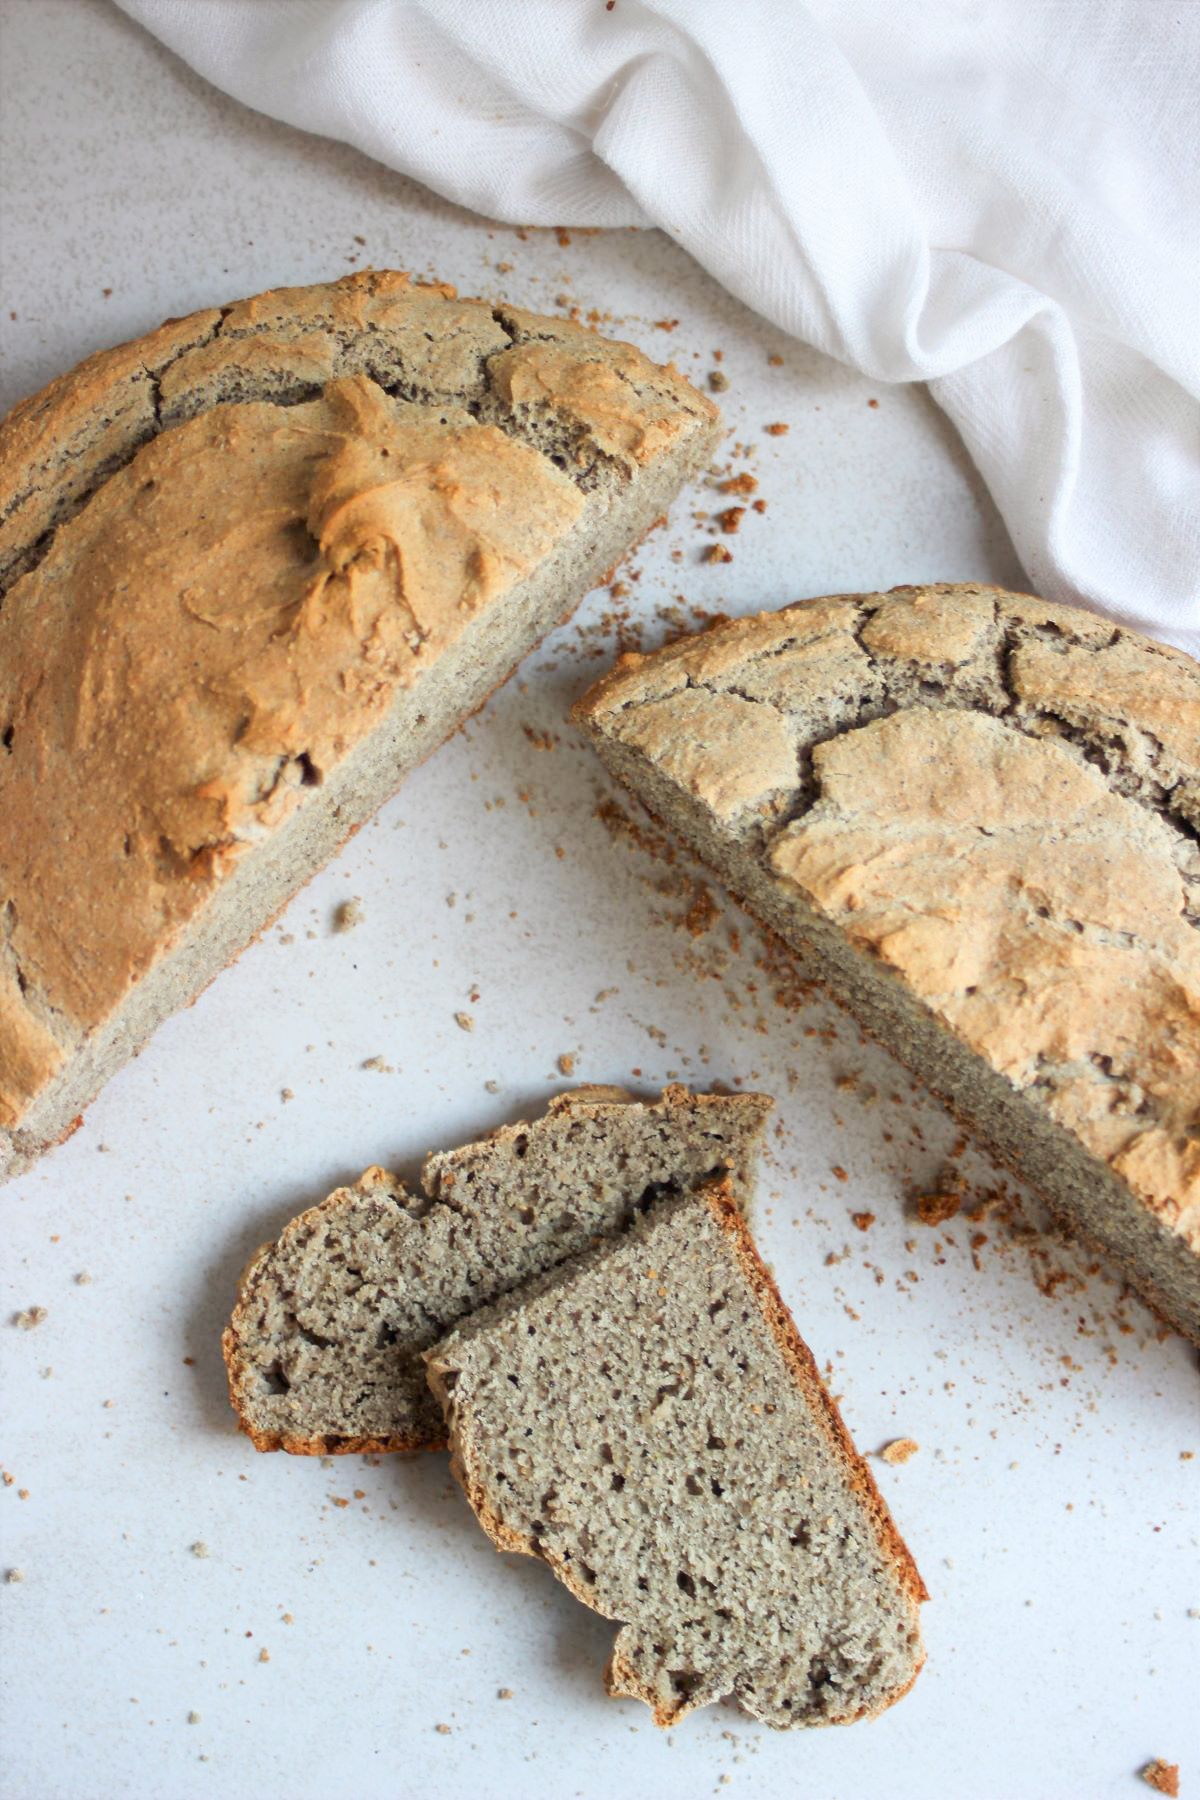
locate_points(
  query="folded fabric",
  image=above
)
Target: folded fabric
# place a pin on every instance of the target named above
(1000, 201)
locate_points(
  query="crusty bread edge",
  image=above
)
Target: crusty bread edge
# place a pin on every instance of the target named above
(584, 715)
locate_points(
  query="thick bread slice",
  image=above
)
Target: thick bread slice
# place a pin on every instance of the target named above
(648, 1421)
(258, 564)
(976, 816)
(323, 1349)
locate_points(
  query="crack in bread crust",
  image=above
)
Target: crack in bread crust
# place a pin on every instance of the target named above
(1037, 889)
(235, 546)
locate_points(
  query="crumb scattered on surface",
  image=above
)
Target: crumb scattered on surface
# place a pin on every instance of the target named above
(200, 1549)
(566, 1063)
(286, 1094)
(442, 1730)
(730, 520)
(718, 381)
(349, 914)
(899, 1450)
(936, 1207)
(83, 1279)
(778, 429)
(264, 1654)
(505, 1694)
(718, 553)
(464, 1021)
(14, 1574)
(31, 1317)
(193, 1718)
(378, 1064)
(1162, 1776)
(862, 1221)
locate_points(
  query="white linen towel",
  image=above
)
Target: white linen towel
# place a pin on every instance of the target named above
(998, 198)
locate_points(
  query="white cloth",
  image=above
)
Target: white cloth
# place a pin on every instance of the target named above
(999, 197)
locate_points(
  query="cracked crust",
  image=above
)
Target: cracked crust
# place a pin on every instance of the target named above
(322, 1351)
(258, 564)
(534, 1458)
(979, 805)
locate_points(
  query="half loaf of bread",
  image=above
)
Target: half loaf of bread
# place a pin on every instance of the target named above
(975, 815)
(648, 1421)
(323, 1350)
(253, 568)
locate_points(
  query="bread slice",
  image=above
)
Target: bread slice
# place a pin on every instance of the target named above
(254, 567)
(648, 1421)
(975, 815)
(323, 1349)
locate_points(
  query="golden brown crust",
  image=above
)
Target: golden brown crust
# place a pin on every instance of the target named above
(1002, 809)
(1156, 1304)
(254, 447)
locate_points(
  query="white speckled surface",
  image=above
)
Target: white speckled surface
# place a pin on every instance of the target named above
(1051, 1507)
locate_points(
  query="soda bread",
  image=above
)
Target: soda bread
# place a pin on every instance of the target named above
(976, 816)
(255, 566)
(647, 1420)
(323, 1349)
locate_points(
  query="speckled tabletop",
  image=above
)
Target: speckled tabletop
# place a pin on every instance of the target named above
(183, 1617)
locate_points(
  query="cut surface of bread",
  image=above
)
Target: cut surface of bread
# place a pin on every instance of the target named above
(975, 815)
(253, 568)
(648, 1421)
(323, 1348)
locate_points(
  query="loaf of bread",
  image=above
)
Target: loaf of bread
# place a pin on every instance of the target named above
(975, 816)
(255, 566)
(647, 1420)
(324, 1347)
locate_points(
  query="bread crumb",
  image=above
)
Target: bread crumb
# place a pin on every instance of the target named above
(443, 1730)
(505, 1694)
(379, 1065)
(665, 324)
(32, 1316)
(778, 429)
(82, 1279)
(349, 914)
(935, 1208)
(744, 483)
(899, 1450)
(730, 520)
(286, 1094)
(718, 553)
(1162, 1776)
(14, 1574)
(566, 1063)
(193, 1718)
(717, 381)
(862, 1221)
(288, 1619)
(464, 1021)
(264, 1654)
(775, 362)
(200, 1549)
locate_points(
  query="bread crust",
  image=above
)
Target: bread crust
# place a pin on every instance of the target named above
(964, 752)
(431, 455)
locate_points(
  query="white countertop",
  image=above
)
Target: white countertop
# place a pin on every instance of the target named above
(345, 1611)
